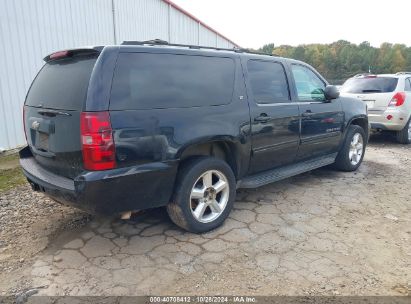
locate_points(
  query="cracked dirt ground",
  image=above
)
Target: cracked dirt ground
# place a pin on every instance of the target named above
(320, 233)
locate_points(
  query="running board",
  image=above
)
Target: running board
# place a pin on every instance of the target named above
(270, 176)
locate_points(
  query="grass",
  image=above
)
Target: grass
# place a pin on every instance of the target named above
(9, 158)
(10, 172)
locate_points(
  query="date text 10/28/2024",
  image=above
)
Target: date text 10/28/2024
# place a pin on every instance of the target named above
(203, 299)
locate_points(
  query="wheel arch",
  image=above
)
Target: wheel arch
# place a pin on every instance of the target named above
(361, 121)
(222, 148)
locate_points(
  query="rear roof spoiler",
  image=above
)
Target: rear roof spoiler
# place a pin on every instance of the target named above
(73, 52)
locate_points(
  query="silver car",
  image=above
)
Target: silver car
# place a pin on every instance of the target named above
(388, 99)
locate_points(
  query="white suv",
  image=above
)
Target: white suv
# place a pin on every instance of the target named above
(388, 99)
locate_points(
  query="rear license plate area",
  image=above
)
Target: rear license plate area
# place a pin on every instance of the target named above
(369, 103)
(42, 141)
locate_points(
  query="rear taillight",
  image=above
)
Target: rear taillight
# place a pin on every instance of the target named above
(24, 123)
(397, 100)
(97, 141)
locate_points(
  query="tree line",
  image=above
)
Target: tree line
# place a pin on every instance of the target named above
(340, 60)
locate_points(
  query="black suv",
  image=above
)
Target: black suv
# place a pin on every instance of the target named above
(116, 129)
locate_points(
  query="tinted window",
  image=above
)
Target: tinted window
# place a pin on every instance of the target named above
(309, 86)
(370, 85)
(62, 84)
(408, 85)
(268, 81)
(146, 81)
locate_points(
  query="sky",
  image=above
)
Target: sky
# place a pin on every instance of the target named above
(253, 23)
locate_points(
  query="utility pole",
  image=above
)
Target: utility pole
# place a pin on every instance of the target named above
(114, 22)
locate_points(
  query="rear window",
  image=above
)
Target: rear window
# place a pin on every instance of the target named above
(369, 85)
(62, 84)
(156, 81)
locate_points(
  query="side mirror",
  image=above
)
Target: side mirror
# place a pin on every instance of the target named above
(331, 92)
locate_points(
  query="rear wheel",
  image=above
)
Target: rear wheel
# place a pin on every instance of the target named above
(352, 152)
(404, 136)
(204, 195)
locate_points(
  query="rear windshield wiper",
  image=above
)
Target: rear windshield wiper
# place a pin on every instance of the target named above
(372, 91)
(52, 113)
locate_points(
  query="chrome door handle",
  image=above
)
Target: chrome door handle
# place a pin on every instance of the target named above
(262, 118)
(307, 114)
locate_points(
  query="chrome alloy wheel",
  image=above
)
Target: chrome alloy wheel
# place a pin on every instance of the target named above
(356, 149)
(409, 131)
(209, 196)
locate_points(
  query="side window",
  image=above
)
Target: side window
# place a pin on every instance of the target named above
(268, 82)
(408, 85)
(159, 81)
(309, 86)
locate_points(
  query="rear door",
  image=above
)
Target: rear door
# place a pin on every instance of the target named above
(52, 112)
(321, 121)
(274, 117)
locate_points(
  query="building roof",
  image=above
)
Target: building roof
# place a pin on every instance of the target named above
(198, 20)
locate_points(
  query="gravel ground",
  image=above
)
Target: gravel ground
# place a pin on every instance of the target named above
(320, 233)
(29, 222)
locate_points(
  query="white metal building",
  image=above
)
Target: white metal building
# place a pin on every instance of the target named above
(32, 29)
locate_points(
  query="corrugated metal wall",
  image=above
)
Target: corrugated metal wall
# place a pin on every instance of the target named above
(141, 20)
(207, 37)
(183, 29)
(29, 30)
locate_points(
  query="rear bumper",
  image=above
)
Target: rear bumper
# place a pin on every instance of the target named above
(105, 192)
(379, 120)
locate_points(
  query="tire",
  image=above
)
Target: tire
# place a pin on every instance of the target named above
(404, 136)
(193, 206)
(350, 157)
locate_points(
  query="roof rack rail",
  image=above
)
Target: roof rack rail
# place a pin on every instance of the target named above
(190, 46)
(403, 73)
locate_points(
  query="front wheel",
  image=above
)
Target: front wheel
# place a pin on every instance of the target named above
(352, 151)
(204, 195)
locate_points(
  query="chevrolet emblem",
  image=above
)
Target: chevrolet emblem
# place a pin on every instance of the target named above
(35, 125)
